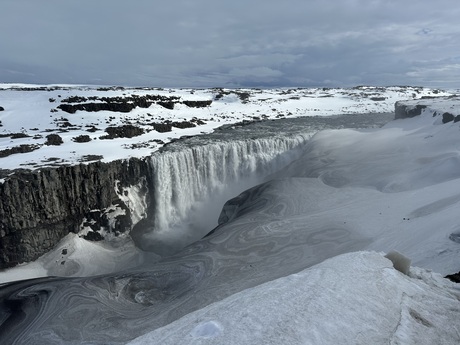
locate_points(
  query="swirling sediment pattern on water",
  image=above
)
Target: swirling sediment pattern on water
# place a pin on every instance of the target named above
(265, 233)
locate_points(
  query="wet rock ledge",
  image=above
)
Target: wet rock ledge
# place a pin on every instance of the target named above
(38, 208)
(447, 107)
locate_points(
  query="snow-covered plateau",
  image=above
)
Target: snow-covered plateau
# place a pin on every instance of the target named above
(86, 118)
(303, 213)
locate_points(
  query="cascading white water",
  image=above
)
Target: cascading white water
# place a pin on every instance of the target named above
(193, 178)
(193, 183)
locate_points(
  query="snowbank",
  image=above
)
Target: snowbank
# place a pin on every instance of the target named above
(355, 298)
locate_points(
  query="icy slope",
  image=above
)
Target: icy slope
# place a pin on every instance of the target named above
(396, 187)
(355, 298)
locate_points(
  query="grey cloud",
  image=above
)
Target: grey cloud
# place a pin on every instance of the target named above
(233, 43)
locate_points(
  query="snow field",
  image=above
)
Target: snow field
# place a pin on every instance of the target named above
(355, 298)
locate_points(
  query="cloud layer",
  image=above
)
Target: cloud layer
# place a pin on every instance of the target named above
(231, 43)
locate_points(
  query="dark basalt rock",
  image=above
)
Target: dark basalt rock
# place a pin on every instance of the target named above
(74, 99)
(92, 129)
(93, 236)
(19, 135)
(125, 131)
(19, 149)
(402, 111)
(183, 124)
(243, 96)
(126, 104)
(197, 104)
(168, 125)
(38, 208)
(65, 124)
(447, 117)
(199, 122)
(455, 237)
(82, 138)
(53, 139)
(123, 107)
(115, 104)
(89, 158)
(454, 277)
(1, 108)
(167, 105)
(162, 127)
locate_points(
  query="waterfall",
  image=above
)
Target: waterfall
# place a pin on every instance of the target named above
(193, 183)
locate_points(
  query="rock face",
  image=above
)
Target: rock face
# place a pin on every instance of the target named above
(38, 208)
(124, 104)
(403, 111)
(53, 139)
(18, 149)
(454, 277)
(125, 131)
(448, 117)
(436, 106)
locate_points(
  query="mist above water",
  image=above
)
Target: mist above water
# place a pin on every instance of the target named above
(194, 177)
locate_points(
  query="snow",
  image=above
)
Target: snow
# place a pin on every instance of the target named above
(299, 259)
(33, 110)
(355, 298)
(400, 262)
(74, 256)
(134, 198)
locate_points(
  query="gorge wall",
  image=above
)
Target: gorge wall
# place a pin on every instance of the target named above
(38, 208)
(445, 107)
(148, 198)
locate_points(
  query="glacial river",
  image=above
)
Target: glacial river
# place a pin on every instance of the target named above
(261, 237)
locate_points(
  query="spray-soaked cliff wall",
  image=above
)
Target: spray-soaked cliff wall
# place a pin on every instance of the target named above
(38, 208)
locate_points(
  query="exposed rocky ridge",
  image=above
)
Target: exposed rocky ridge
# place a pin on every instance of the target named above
(402, 110)
(18, 149)
(38, 208)
(93, 112)
(447, 107)
(124, 104)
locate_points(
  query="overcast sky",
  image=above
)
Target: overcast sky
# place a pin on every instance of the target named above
(231, 43)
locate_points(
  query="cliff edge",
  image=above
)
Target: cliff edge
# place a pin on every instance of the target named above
(38, 208)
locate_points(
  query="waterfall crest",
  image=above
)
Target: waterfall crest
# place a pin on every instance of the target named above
(193, 183)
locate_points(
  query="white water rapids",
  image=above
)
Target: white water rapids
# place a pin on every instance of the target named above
(193, 184)
(193, 178)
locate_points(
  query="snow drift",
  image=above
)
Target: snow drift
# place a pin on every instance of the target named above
(355, 298)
